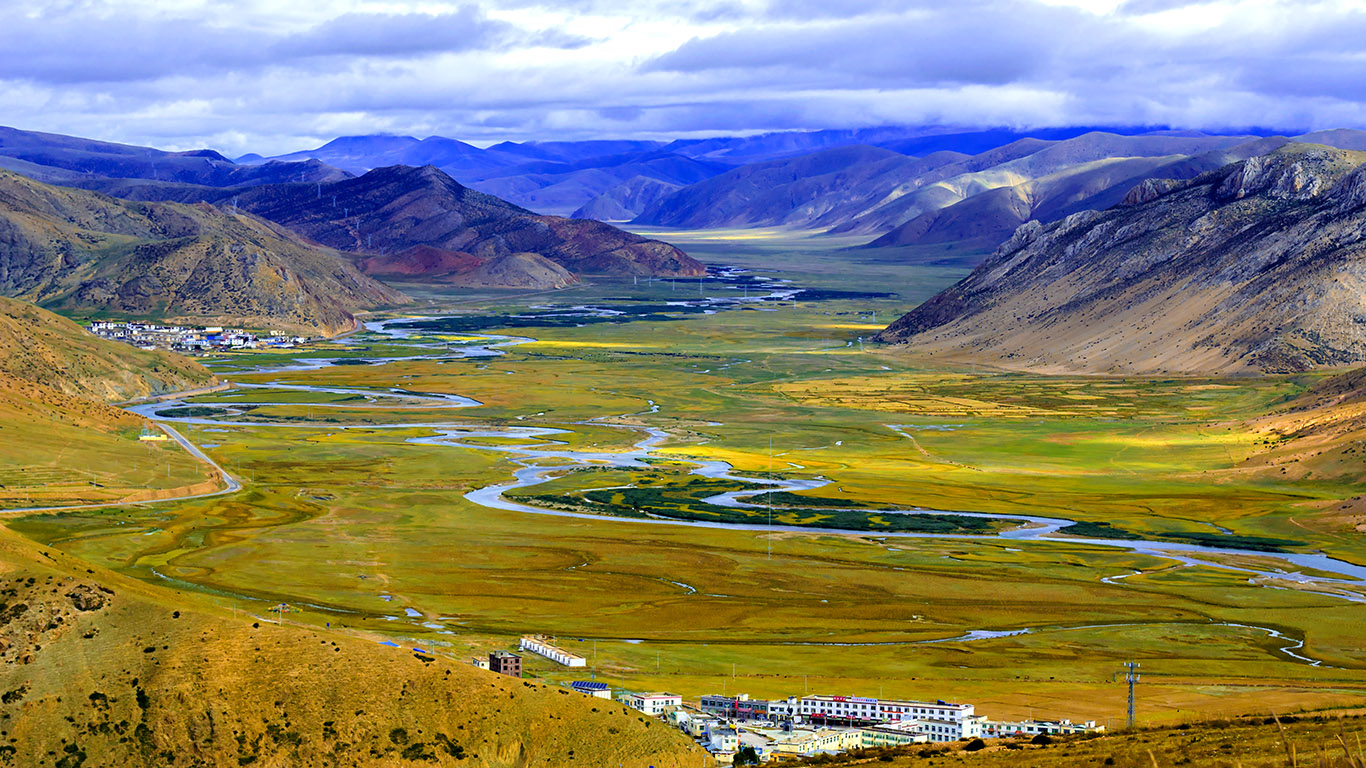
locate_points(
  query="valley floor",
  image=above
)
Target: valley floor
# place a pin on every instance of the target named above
(364, 520)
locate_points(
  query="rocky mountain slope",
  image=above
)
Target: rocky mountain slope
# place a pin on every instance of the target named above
(558, 177)
(862, 190)
(803, 192)
(547, 177)
(1259, 266)
(626, 200)
(525, 271)
(985, 220)
(390, 214)
(82, 251)
(560, 187)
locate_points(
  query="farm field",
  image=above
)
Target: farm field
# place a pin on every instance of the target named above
(357, 455)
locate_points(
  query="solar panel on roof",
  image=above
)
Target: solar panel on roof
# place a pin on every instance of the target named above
(587, 685)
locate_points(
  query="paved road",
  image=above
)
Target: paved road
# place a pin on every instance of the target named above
(231, 484)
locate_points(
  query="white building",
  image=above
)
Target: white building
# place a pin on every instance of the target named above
(592, 688)
(804, 742)
(942, 721)
(539, 646)
(894, 734)
(1005, 728)
(723, 739)
(656, 704)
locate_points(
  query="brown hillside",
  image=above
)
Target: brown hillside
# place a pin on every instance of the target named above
(60, 442)
(428, 264)
(1324, 740)
(1259, 266)
(83, 251)
(100, 670)
(42, 348)
(390, 211)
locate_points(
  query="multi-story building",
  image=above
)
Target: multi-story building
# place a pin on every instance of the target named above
(505, 663)
(656, 704)
(740, 707)
(858, 708)
(723, 739)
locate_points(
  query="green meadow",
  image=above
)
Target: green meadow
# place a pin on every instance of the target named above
(355, 526)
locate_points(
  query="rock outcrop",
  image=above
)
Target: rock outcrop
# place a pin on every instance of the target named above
(1260, 265)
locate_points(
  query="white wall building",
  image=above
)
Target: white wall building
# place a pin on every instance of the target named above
(540, 647)
(1004, 728)
(592, 688)
(656, 704)
(942, 721)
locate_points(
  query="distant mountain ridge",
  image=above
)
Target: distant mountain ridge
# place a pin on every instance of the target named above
(985, 220)
(864, 190)
(1257, 266)
(560, 177)
(81, 251)
(397, 217)
(65, 159)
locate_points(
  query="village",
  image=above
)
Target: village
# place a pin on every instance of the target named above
(189, 339)
(792, 727)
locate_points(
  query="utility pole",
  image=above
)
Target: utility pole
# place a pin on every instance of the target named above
(769, 496)
(1131, 677)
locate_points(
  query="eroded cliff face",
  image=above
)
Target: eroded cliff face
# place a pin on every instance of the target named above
(1257, 266)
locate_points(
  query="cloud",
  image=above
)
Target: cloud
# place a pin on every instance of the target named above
(904, 50)
(409, 34)
(81, 47)
(256, 75)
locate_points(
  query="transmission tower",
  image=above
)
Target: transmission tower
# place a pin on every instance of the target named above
(1131, 677)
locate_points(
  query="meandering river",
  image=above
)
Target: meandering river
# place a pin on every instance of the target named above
(541, 458)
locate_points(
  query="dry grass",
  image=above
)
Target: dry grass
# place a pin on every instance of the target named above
(153, 677)
(1317, 741)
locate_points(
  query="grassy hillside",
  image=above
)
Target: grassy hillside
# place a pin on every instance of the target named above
(82, 251)
(105, 671)
(60, 442)
(101, 670)
(40, 347)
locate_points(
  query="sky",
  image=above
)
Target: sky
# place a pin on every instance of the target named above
(271, 77)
